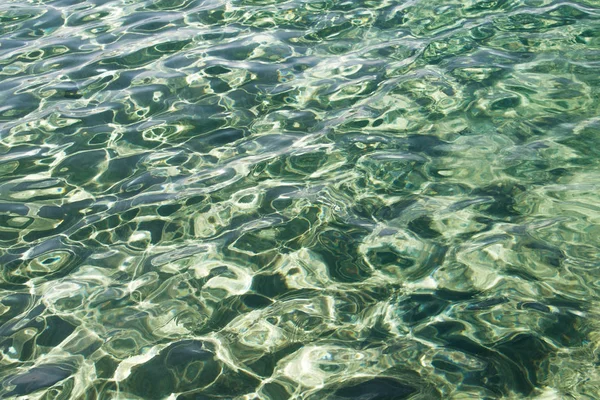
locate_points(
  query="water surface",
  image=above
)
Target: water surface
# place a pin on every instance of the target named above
(372, 200)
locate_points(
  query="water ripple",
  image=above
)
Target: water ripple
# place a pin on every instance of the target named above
(268, 199)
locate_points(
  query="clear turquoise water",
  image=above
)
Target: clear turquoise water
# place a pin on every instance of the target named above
(371, 200)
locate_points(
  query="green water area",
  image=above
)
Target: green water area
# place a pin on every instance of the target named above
(296, 199)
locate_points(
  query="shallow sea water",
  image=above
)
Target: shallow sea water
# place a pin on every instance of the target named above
(336, 200)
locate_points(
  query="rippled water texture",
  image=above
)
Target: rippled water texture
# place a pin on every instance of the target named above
(336, 199)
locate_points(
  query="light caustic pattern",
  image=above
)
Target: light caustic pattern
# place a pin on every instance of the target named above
(299, 199)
